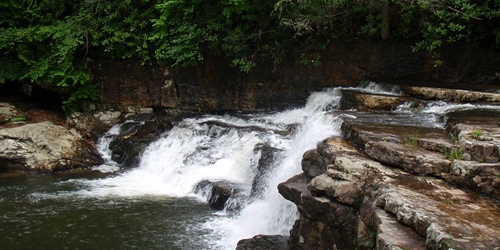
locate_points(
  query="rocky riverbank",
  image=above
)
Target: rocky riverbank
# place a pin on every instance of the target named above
(37, 140)
(395, 181)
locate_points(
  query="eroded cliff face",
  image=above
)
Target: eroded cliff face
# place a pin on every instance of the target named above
(214, 86)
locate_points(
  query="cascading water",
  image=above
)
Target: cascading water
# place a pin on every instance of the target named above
(157, 205)
(224, 148)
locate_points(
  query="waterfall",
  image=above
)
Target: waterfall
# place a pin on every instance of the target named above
(214, 148)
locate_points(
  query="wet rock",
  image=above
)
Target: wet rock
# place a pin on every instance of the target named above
(44, 147)
(268, 155)
(135, 136)
(323, 223)
(263, 242)
(478, 116)
(312, 163)
(294, 188)
(220, 194)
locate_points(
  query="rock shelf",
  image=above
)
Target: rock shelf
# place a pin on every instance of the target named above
(409, 186)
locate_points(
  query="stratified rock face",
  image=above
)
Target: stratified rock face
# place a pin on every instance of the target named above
(44, 147)
(359, 202)
(214, 86)
(396, 181)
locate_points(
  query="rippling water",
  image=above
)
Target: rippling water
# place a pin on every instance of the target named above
(37, 213)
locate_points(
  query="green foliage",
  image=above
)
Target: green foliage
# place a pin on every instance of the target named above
(454, 154)
(450, 21)
(244, 32)
(117, 29)
(412, 140)
(79, 99)
(52, 42)
(431, 23)
(18, 119)
(477, 133)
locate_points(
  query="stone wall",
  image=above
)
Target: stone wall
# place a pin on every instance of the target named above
(214, 86)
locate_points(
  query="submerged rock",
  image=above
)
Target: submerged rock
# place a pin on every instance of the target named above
(44, 147)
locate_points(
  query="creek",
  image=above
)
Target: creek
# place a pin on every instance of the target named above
(156, 206)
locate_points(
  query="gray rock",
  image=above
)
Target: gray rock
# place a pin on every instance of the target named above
(44, 147)
(108, 117)
(263, 242)
(8, 112)
(87, 125)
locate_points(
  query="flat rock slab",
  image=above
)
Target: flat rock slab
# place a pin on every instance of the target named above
(362, 101)
(412, 159)
(453, 95)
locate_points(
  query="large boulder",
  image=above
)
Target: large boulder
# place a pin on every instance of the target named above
(44, 147)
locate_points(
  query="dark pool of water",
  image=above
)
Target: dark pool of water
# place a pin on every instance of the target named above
(44, 212)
